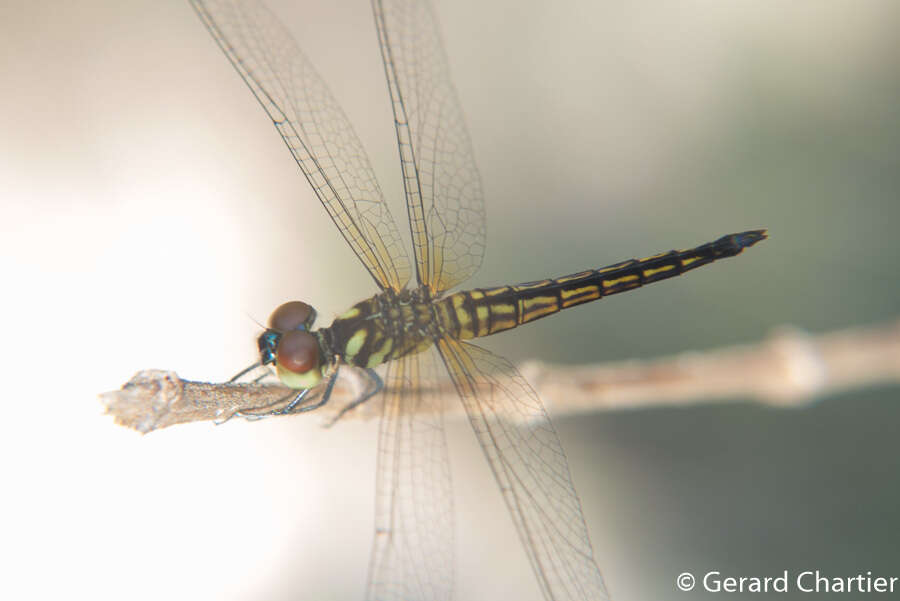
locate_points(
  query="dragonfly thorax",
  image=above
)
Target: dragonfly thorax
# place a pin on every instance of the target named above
(384, 327)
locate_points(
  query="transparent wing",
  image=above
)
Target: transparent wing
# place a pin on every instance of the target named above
(314, 128)
(528, 462)
(412, 556)
(443, 188)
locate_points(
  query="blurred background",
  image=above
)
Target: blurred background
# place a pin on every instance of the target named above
(150, 213)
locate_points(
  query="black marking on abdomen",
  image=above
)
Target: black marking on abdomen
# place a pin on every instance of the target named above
(487, 311)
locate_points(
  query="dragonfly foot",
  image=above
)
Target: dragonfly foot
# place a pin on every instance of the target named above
(377, 386)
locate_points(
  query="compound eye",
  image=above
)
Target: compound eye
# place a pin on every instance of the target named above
(295, 315)
(298, 352)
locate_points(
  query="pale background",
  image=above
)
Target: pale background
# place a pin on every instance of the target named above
(148, 209)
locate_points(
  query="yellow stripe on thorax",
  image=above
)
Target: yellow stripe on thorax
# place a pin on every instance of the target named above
(355, 344)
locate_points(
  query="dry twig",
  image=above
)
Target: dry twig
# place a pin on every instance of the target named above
(789, 369)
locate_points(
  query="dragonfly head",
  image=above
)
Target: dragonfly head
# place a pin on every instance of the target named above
(289, 344)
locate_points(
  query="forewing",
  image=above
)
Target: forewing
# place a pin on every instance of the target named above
(442, 185)
(315, 129)
(528, 462)
(412, 556)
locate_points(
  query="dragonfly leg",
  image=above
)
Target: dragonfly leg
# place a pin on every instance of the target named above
(244, 371)
(259, 413)
(259, 379)
(377, 385)
(292, 407)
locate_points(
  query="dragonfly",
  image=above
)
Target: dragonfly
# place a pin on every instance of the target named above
(415, 333)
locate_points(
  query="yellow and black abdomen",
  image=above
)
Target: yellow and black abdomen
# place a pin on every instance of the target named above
(486, 311)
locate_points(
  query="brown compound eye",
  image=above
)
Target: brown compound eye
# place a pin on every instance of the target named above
(291, 316)
(298, 352)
